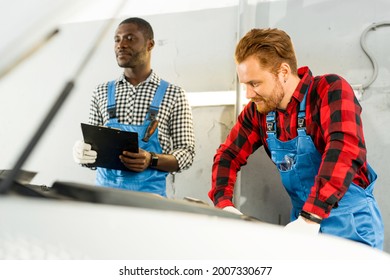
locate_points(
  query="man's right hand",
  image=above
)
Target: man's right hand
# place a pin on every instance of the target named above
(83, 153)
(302, 225)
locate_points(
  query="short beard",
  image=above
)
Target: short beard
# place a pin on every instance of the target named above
(274, 101)
(135, 60)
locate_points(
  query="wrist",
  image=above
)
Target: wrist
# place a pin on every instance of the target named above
(153, 160)
(310, 217)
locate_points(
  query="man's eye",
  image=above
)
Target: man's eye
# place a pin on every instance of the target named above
(127, 38)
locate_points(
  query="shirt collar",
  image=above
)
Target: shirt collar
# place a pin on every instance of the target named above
(306, 77)
(152, 78)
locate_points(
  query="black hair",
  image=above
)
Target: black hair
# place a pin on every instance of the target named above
(143, 25)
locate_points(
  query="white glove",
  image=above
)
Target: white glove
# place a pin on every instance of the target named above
(300, 225)
(232, 209)
(82, 153)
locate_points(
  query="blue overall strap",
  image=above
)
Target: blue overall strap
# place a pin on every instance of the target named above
(158, 97)
(301, 128)
(302, 114)
(271, 124)
(111, 104)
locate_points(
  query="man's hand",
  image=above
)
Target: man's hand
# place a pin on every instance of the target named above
(303, 225)
(136, 162)
(83, 154)
(232, 209)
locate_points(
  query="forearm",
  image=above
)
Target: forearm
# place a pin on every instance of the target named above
(222, 181)
(242, 141)
(167, 163)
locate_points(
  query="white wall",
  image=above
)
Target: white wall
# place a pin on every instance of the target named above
(195, 50)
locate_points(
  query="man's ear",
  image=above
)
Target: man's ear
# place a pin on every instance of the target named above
(150, 44)
(284, 69)
(284, 72)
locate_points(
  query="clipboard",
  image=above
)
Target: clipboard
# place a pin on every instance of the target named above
(109, 143)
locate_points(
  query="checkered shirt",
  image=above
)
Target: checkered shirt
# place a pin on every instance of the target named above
(175, 124)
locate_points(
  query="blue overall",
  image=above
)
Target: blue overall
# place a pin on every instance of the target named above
(357, 216)
(150, 180)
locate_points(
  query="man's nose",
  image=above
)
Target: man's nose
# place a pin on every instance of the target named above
(250, 93)
(121, 44)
